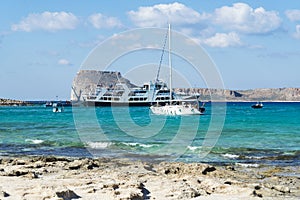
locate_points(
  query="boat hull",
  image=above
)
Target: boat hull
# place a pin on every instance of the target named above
(176, 110)
(121, 104)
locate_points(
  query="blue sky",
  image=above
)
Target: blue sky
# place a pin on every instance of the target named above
(254, 44)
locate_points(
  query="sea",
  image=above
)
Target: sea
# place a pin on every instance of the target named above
(228, 133)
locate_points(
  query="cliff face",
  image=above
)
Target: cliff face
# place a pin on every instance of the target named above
(86, 81)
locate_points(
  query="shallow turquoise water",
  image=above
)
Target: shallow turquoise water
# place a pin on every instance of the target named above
(269, 136)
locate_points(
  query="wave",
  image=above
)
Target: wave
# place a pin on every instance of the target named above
(34, 141)
(119, 145)
(232, 156)
(98, 145)
(248, 165)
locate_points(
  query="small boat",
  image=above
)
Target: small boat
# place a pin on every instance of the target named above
(257, 105)
(57, 107)
(48, 104)
(176, 107)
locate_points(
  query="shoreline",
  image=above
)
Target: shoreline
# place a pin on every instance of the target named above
(56, 177)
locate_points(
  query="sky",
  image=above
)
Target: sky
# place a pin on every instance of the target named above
(254, 44)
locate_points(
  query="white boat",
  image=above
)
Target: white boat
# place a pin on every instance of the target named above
(176, 107)
(57, 107)
(122, 95)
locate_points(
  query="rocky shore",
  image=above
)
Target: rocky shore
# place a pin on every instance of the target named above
(10, 102)
(103, 178)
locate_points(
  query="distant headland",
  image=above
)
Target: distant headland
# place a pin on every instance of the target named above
(11, 102)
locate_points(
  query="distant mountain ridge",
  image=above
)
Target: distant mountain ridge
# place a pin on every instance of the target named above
(265, 94)
(86, 81)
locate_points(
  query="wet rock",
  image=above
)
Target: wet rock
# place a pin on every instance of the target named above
(208, 169)
(67, 195)
(49, 159)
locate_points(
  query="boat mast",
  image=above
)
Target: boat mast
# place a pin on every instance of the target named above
(170, 62)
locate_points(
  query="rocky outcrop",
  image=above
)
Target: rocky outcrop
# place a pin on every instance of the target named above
(56, 178)
(10, 102)
(86, 82)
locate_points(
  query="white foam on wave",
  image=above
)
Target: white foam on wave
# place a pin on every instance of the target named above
(255, 157)
(228, 155)
(193, 148)
(247, 165)
(133, 144)
(34, 141)
(98, 145)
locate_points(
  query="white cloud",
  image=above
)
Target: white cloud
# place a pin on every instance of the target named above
(48, 21)
(297, 34)
(241, 17)
(64, 62)
(101, 21)
(293, 15)
(158, 15)
(223, 40)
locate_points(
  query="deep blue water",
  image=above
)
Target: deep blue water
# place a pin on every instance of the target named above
(270, 135)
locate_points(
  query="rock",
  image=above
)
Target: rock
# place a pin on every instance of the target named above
(228, 182)
(92, 165)
(17, 173)
(87, 80)
(189, 193)
(257, 194)
(19, 162)
(4, 194)
(208, 169)
(76, 164)
(32, 175)
(257, 187)
(67, 195)
(130, 194)
(39, 164)
(281, 188)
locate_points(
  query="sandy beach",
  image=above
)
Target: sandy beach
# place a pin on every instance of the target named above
(102, 178)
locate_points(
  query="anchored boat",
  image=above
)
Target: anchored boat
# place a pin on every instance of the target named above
(174, 107)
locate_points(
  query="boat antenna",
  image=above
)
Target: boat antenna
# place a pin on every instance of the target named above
(170, 61)
(162, 54)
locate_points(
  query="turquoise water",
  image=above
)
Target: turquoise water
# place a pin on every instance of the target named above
(254, 136)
